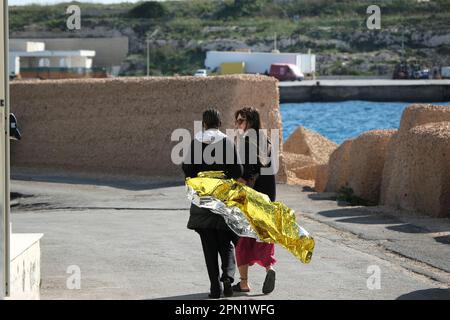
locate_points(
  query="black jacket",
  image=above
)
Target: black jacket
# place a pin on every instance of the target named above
(263, 183)
(201, 218)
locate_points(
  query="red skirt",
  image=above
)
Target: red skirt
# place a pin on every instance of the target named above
(249, 251)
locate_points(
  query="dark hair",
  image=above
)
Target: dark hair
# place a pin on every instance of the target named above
(251, 114)
(211, 118)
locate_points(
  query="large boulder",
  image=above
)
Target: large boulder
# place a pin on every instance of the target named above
(367, 156)
(306, 172)
(292, 179)
(310, 143)
(418, 114)
(282, 174)
(338, 167)
(294, 160)
(419, 180)
(393, 173)
(390, 165)
(298, 168)
(321, 178)
(304, 152)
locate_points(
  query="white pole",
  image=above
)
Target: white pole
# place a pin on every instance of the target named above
(148, 57)
(4, 153)
(275, 41)
(148, 49)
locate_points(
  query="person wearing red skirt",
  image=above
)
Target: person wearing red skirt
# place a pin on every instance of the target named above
(248, 250)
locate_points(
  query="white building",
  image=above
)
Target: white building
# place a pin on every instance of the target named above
(260, 62)
(30, 59)
(110, 53)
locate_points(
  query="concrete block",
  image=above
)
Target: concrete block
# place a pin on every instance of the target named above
(419, 179)
(310, 143)
(25, 266)
(339, 167)
(366, 162)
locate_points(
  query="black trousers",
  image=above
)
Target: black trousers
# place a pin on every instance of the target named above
(217, 242)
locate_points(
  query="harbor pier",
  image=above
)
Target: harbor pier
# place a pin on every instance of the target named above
(366, 89)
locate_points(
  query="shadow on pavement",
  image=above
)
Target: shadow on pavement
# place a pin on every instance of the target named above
(193, 296)
(342, 213)
(359, 215)
(204, 296)
(126, 183)
(408, 228)
(322, 196)
(369, 219)
(443, 239)
(427, 294)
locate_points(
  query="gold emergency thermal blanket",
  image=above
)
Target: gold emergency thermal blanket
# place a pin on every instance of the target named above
(250, 213)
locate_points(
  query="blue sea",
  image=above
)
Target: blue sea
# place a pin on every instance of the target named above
(339, 121)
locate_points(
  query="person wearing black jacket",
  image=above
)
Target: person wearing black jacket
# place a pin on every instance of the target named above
(216, 237)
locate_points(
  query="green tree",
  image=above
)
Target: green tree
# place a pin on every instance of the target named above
(148, 9)
(241, 8)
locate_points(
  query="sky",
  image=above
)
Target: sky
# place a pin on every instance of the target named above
(22, 2)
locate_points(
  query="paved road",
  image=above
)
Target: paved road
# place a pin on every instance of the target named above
(130, 241)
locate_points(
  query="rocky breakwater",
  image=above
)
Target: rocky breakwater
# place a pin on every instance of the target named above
(405, 169)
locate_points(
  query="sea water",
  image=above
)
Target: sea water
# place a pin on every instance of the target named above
(339, 121)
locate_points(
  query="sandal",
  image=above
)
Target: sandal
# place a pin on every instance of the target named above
(269, 282)
(237, 288)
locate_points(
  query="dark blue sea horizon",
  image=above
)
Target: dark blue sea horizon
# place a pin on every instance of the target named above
(339, 121)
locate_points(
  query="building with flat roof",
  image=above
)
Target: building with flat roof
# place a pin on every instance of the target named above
(31, 59)
(109, 52)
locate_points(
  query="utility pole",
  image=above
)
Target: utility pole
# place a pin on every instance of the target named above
(403, 42)
(275, 42)
(4, 153)
(148, 49)
(148, 57)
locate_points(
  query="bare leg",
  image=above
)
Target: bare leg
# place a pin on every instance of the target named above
(243, 271)
(269, 268)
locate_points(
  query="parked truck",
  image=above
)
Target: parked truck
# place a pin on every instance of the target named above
(286, 72)
(445, 72)
(232, 68)
(261, 62)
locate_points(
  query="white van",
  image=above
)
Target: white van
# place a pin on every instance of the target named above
(201, 73)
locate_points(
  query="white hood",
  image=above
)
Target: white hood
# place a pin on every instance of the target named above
(210, 136)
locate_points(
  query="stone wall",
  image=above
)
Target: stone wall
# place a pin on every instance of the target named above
(405, 169)
(123, 126)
